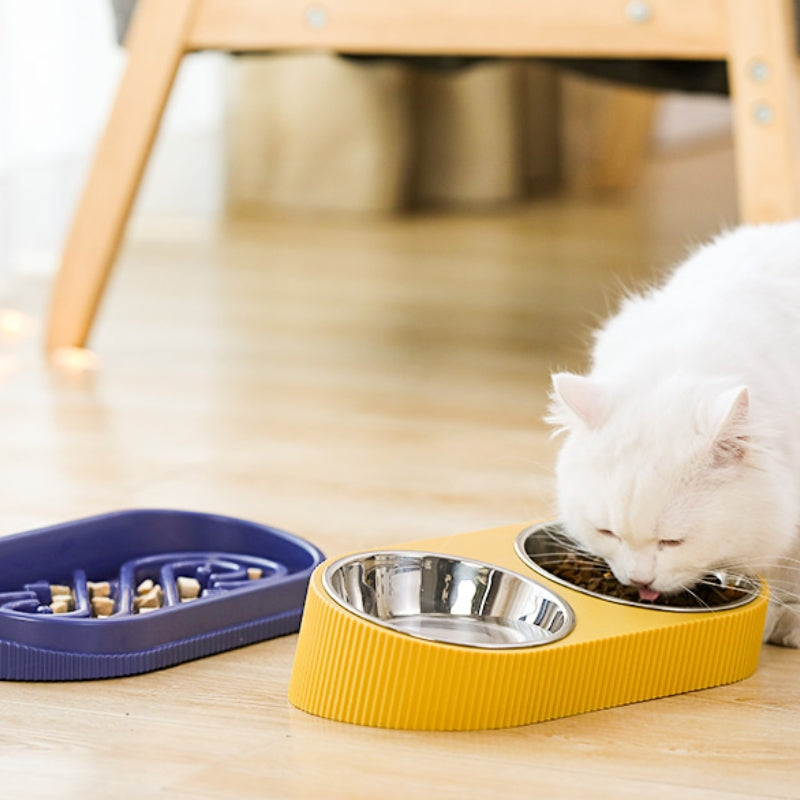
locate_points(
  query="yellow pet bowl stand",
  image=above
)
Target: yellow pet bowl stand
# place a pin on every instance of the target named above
(354, 668)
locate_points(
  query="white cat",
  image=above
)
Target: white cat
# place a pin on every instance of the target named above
(683, 441)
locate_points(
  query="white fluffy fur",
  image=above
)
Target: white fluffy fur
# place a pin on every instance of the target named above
(683, 441)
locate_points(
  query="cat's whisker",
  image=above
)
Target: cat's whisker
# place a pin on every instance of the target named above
(773, 560)
(700, 601)
(586, 567)
(783, 597)
(568, 554)
(775, 567)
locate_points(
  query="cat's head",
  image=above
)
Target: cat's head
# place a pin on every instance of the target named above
(666, 485)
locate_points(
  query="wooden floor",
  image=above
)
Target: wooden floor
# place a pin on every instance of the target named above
(358, 383)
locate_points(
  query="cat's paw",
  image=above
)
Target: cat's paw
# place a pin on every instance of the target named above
(786, 630)
(788, 639)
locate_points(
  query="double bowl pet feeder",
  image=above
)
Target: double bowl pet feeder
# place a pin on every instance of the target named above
(473, 631)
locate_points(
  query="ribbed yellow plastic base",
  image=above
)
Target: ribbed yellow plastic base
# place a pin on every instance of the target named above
(349, 669)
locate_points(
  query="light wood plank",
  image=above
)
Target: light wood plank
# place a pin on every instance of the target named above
(674, 28)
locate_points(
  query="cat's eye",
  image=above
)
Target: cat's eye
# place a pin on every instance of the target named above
(606, 532)
(663, 544)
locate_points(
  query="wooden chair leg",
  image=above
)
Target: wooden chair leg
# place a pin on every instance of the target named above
(156, 44)
(765, 90)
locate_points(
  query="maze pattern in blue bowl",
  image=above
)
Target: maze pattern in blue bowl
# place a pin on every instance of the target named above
(252, 583)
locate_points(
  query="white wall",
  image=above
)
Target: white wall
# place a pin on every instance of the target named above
(59, 68)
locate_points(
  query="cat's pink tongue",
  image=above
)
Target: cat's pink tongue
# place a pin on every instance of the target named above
(648, 594)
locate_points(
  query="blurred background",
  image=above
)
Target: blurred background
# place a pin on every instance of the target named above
(344, 283)
(309, 133)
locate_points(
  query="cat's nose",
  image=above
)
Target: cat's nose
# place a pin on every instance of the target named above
(640, 578)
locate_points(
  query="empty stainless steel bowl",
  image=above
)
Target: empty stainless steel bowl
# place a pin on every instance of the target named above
(548, 550)
(448, 599)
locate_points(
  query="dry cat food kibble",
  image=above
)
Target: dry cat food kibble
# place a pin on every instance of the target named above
(62, 600)
(100, 600)
(594, 575)
(149, 597)
(550, 551)
(98, 588)
(188, 588)
(102, 606)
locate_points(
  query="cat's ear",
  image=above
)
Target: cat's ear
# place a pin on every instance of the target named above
(731, 433)
(576, 399)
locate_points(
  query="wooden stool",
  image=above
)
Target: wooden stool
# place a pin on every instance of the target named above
(755, 37)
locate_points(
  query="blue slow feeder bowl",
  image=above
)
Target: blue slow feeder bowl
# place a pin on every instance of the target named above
(251, 578)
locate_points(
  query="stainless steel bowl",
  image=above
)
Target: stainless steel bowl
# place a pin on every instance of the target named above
(446, 599)
(543, 547)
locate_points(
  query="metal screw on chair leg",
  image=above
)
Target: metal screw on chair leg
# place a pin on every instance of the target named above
(316, 17)
(638, 11)
(763, 114)
(758, 70)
